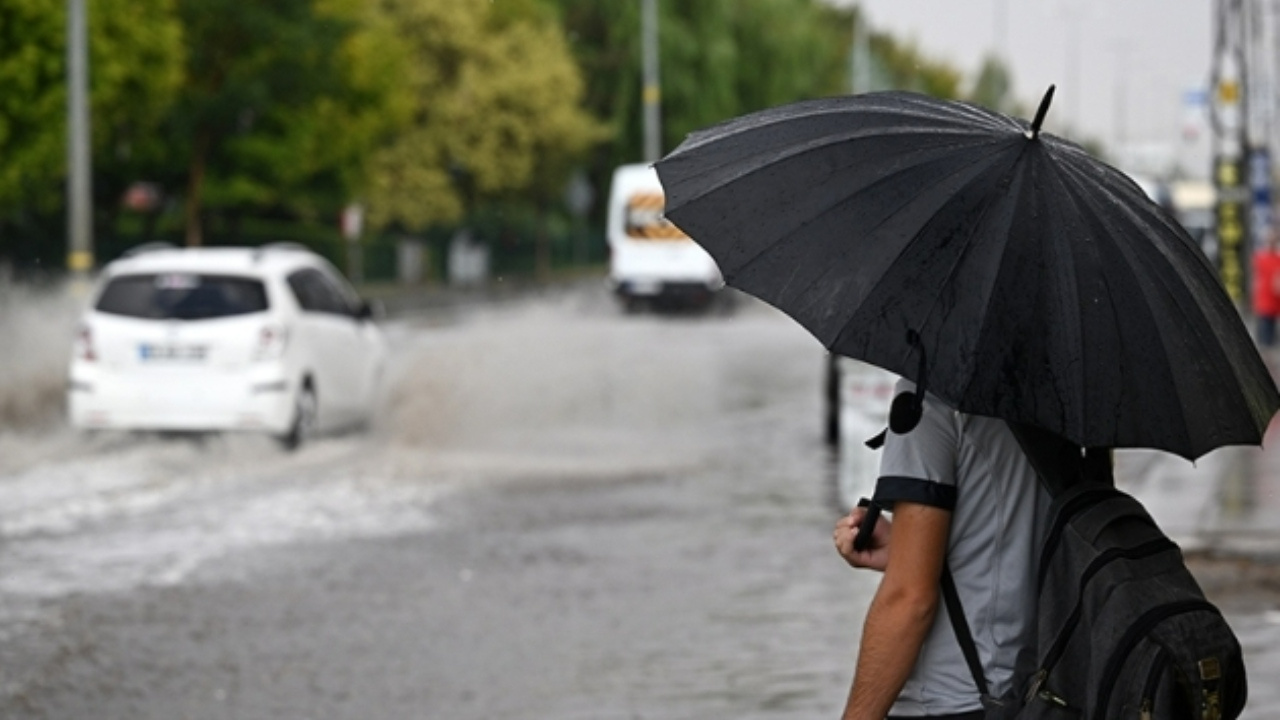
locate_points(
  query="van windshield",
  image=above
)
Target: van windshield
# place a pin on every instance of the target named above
(182, 296)
(644, 219)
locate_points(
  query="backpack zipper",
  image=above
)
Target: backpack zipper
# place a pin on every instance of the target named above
(1158, 665)
(1143, 625)
(1147, 549)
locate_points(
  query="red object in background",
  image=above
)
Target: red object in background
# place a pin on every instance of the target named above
(1266, 282)
(142, 197)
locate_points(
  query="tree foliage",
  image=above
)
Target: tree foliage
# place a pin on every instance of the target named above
(135, 55)
(718, 58)
(993, 88)
(728, 57)
(264, 84)
(423, 110)
(722, 58)
(496, 111)
(909, 69)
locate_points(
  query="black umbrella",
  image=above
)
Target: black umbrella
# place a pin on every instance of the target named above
(1016, 274)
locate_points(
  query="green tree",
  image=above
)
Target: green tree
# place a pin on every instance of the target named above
(727, 57)
(719, 58)
(496, 111)
(723, 58)
(281, 100)
(909, 68)
(304, 149)
(993, 87)
(135, 56)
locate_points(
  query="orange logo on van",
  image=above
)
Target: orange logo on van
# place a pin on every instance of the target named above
(644, 219)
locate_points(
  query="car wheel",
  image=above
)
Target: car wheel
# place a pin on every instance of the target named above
(631, 305)
(305, 407)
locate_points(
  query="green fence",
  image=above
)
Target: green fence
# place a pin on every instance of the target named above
(512, 243)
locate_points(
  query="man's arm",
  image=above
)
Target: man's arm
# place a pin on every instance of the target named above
(902, 611)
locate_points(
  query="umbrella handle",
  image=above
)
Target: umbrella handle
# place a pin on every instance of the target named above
(863, 539)
(907, 408)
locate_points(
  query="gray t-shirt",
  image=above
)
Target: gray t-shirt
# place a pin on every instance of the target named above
(974, 466)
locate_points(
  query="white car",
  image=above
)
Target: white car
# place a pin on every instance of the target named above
(269, 339)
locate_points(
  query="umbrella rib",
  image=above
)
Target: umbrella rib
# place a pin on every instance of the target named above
(988, 316)
(951, 271)
(788, 152)
(922, 107)
(969, 241)
(936, 180)
(1112, 232)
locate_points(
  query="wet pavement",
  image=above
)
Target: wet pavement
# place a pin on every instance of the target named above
(564, 513)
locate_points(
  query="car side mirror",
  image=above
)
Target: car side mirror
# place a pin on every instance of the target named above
(370, 310)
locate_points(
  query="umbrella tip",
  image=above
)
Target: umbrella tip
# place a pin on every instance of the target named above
(1040, 113)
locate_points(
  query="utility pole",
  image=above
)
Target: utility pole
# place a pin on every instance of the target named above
(79, 195)
(1260, 101)
(1258, 51)
(1229, 115)
(652, 93)
(860, 58)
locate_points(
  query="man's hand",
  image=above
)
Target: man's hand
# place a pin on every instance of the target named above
(902, 611)
(876, 555)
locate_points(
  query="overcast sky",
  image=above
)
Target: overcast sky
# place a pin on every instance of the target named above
(1121, 67)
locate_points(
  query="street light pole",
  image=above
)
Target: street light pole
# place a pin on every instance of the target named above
(860, 77)
(1229, 115)
(79, 197)
(652, 93)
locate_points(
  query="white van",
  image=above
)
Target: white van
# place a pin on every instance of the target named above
(651, 259)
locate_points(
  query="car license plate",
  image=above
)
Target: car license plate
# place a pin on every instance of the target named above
(151, 352)
(646, 287)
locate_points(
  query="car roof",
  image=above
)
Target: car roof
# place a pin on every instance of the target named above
(261, 261)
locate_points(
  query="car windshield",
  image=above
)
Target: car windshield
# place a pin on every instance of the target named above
(182, 296)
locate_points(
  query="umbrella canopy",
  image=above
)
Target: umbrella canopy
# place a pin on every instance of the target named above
(1018, 275)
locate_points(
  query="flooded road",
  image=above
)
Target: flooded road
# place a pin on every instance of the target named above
(563, 512)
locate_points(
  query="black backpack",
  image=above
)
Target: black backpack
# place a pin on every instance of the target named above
(1124, 630)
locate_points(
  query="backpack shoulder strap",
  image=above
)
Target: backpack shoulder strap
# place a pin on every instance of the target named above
(1059, 465)
(960, 625)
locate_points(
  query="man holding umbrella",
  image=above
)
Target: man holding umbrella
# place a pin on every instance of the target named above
(960, 477)
(1019, 283)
